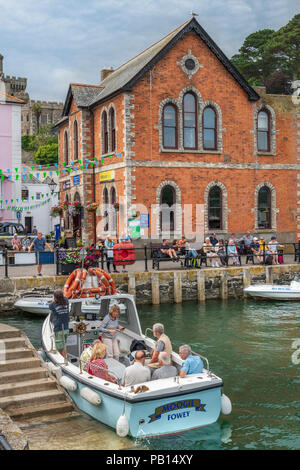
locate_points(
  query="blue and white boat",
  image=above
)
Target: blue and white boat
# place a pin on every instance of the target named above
(162, 407)
(275, 291)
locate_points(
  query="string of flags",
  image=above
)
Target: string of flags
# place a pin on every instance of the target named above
(22, 199)
(79, 165)
(25, 208)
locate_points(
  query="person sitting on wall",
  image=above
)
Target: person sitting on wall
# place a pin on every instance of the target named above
(16, 243)
(232, 253)
(213, 239)
(137, 372)
(210, 252)
(26, 242)
(255, 250)
(191, 364)
(97, 366)
(167, 250)
(182, 245)
(222, 252)
(163, 343)
(166, 369)
(59, 310)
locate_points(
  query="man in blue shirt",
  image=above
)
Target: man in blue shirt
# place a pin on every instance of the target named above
(191, 364)
(39, 244)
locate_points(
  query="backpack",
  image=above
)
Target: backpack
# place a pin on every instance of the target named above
(269, 259)
(137, 345)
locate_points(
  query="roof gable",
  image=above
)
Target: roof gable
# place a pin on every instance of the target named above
(81, 94)
(124, 78)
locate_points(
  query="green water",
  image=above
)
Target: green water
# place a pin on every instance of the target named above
(249, 345)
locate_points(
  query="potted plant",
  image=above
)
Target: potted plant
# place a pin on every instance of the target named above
(65, 205)
(92, 207)
(68, 260)
(55, 211)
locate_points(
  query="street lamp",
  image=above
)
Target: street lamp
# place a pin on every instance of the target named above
(52, 185)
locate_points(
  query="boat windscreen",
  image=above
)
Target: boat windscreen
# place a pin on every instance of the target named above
(128, 314)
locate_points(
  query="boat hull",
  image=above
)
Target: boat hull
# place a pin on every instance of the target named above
(40, 306)
(271, 292)
(155, 417)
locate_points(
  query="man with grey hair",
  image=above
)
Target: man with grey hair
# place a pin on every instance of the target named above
(166, 369)
(191, 364)
(163, 343)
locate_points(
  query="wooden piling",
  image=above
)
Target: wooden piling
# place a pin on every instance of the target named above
(155, 288)
(201, 286)
(177, 288)
(224, 285)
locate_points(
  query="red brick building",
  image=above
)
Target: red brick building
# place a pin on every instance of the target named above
(188, 130)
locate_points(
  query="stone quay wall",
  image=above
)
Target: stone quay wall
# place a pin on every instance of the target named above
(162, 286)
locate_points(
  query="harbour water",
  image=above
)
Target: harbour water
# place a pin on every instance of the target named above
(248, 344)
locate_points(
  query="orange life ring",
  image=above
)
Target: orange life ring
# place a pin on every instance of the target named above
(124, 253)
(75, 282)
(72, 283)
(112, 285)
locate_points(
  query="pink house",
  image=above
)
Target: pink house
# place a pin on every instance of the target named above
(10, 152)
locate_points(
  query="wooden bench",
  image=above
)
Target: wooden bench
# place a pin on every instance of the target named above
(157, 257)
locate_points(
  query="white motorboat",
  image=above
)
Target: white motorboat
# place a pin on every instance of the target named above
(158, 407)
(40, 305)
(274, 291)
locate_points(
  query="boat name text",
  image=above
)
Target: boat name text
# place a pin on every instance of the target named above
(177, 405)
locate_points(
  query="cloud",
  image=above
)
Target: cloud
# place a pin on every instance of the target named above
(54, 42)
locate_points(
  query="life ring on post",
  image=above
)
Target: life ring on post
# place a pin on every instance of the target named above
(72, 283)
(124, 253)
(75, 286)
(106, 279)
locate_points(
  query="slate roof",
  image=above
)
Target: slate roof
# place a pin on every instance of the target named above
(11, 99)
(123, 78)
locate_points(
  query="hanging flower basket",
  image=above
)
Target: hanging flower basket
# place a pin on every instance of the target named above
(116, 206)
(92, 207)
(55, 211)
(74, 208)
(65, 205)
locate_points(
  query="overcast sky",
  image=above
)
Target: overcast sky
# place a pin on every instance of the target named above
(55, 42)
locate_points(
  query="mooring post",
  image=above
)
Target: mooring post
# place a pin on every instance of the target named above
(155, 288)
(224, 284)
(201, 286)
(246, 278)
(177, 288)
(131, 285)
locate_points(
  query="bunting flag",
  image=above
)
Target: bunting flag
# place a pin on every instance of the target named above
(24, 208)
(13, 173)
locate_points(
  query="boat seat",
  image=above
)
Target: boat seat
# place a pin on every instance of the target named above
(115, 366)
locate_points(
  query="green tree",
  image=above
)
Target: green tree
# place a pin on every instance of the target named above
(45, 136)
(284, 45)
(46, 154)
(28, 143)
(254, 62)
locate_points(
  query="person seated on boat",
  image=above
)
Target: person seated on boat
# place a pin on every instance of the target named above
(137, 372)
(166, 249)
(109, 327)
(166, 369)
(163, 343)
(86, 353)
(97, 366)
(59, 310)
(191, 364)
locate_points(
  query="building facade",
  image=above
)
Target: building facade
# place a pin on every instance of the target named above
(185, 142)
(34, 114)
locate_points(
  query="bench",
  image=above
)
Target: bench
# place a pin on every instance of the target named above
(157, 257)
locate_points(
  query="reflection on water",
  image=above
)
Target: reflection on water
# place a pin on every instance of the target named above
(248, 344)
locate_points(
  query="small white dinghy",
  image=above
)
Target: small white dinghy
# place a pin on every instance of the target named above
(275, 292)
(40, 305)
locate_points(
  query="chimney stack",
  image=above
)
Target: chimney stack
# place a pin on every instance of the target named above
(105, 73)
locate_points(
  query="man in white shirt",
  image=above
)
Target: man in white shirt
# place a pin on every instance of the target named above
(137, 373)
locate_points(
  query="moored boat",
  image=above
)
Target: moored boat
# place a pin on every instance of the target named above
(154, 408)
(275, 292)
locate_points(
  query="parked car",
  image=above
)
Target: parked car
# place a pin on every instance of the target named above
(8, 230)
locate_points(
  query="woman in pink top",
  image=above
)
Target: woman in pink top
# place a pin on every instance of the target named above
(97, 359)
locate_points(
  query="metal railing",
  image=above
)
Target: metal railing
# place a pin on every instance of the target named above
(97, 257)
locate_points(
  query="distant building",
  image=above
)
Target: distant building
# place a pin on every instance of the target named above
(48, 112)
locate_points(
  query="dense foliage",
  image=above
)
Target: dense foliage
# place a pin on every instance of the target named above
(44, 145)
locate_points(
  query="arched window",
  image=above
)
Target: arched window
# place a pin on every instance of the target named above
(75, 140)
(105, 202)
(209, 129)
(66, 148)
(113, 199)
(215, 208)
(264, 208)
(170, 126)
(189, 121)
(167, 216)
(112, 129)
(263, 131)
(104, 132)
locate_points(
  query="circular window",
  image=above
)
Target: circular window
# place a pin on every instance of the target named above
(190, 64)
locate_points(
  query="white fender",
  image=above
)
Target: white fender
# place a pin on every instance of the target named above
(122, 426)
(68, 383)
(226, 406)
(90, 396)
(53, 369)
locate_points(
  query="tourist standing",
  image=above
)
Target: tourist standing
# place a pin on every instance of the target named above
(59, 310)
(109, 327)
(39, 244)
(109, 252)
